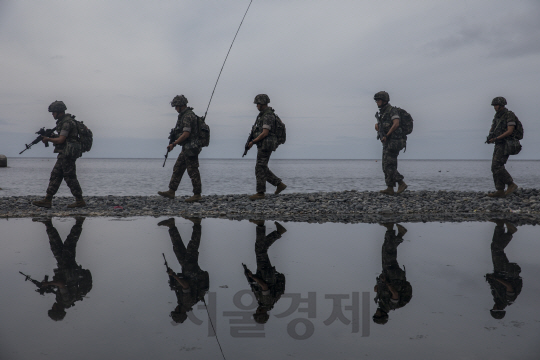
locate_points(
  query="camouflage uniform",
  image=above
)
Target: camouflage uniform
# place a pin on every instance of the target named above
(267, 272)
(503, 270)
(393, 145)
(65, 168)
(394, 275)
(503, 118)
(265, 120)
(188, 258)
(189, 156)
(77, 281)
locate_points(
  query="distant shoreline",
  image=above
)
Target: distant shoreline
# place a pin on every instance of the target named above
(522, 207)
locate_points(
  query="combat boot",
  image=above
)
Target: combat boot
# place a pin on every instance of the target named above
(402, 186)
(46, 222)
(388, 226)
(281, 186)
(46, 202)
(257, 222)
(257, 196)
(280, 229)
(78, 203)
(194, 198)
(511, 228)
(511, 188)
(497, 194)
(168, 194)
(168, 223)
(388, 191)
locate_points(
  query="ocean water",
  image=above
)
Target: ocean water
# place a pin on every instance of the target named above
(325, 311)
(129, 177)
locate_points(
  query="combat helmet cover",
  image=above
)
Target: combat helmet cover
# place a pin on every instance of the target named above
(382, 95)
(262, 99)
(499, 100)
(179, 100)
(57, 106)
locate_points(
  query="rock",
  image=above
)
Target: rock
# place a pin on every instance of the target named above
(3, 161)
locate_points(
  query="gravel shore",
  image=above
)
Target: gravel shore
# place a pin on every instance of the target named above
(347, 206)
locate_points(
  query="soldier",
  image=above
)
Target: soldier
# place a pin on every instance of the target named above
(264, 137)
(503, 126)
(188, 126)
(393, 140)
(191, 285)
(393, 290)
(267, 284)
(71, 283)
(505, 281)
(67, 146)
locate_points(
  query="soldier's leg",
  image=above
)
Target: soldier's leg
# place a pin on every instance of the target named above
(57, 246)
(500, 174)
(393, 174)
(57, 175)
(178, 171)
(192, 254)
(70, 176)
(261, 249)
(70, 245)
(192, 165)
(262, 173)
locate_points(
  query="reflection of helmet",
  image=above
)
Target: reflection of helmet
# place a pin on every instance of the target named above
(57, 106)
(179, 100)
(497, 314)
(382, 95)
(57, 312)
(178, 317)
(499, 100)
(380, 317)
(261, 318)
(262, 99)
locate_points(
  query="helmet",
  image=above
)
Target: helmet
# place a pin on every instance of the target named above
(262, 99)
(382, 95)
(179, 100)
(57, 106)
(499, 100)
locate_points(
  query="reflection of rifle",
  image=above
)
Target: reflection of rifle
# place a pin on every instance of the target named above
(246, 273)
(41, 289)
(166, 265)
(171, 140)
(41, 134)
(246, 147)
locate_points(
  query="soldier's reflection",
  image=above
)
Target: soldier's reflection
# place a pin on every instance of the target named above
(192, 283)
(393, 290)
(505, 281)
(70, 282)
(267, 284)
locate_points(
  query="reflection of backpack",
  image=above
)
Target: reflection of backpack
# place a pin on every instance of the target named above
(280, 131)
(86, 138)
(405, 122)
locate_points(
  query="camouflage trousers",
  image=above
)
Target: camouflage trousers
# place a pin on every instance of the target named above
(191, 163)
(64, 252)
(389, 166)
(500, 175)
(262, 172)
(64, 169)
(264, 267)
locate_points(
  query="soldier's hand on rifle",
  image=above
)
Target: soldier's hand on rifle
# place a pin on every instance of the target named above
(170, 272)
(250, 145)
(383, 140)
(44, 140)
(170, 147)
(376, 126)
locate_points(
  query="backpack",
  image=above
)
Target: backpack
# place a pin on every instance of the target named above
(518, 131)
(204, 131)
(281, 132)
(86, 138)
(406, 122)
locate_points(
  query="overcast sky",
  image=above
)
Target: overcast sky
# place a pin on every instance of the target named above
(117, 65)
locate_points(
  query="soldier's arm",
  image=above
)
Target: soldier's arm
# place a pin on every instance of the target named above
(395, 125)
(57, 140)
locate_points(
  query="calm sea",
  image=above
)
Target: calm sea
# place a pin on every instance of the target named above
(29, 176)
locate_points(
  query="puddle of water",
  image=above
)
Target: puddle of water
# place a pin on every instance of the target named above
(109, 295)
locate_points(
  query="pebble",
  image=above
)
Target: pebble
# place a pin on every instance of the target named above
(346, 206)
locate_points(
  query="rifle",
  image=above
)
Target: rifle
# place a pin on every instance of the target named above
(489, 137)
(41, 134)
(166, 265)
(380, 133)
(41, 289)
(246, 273)
(171, 140)
(246, 147)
